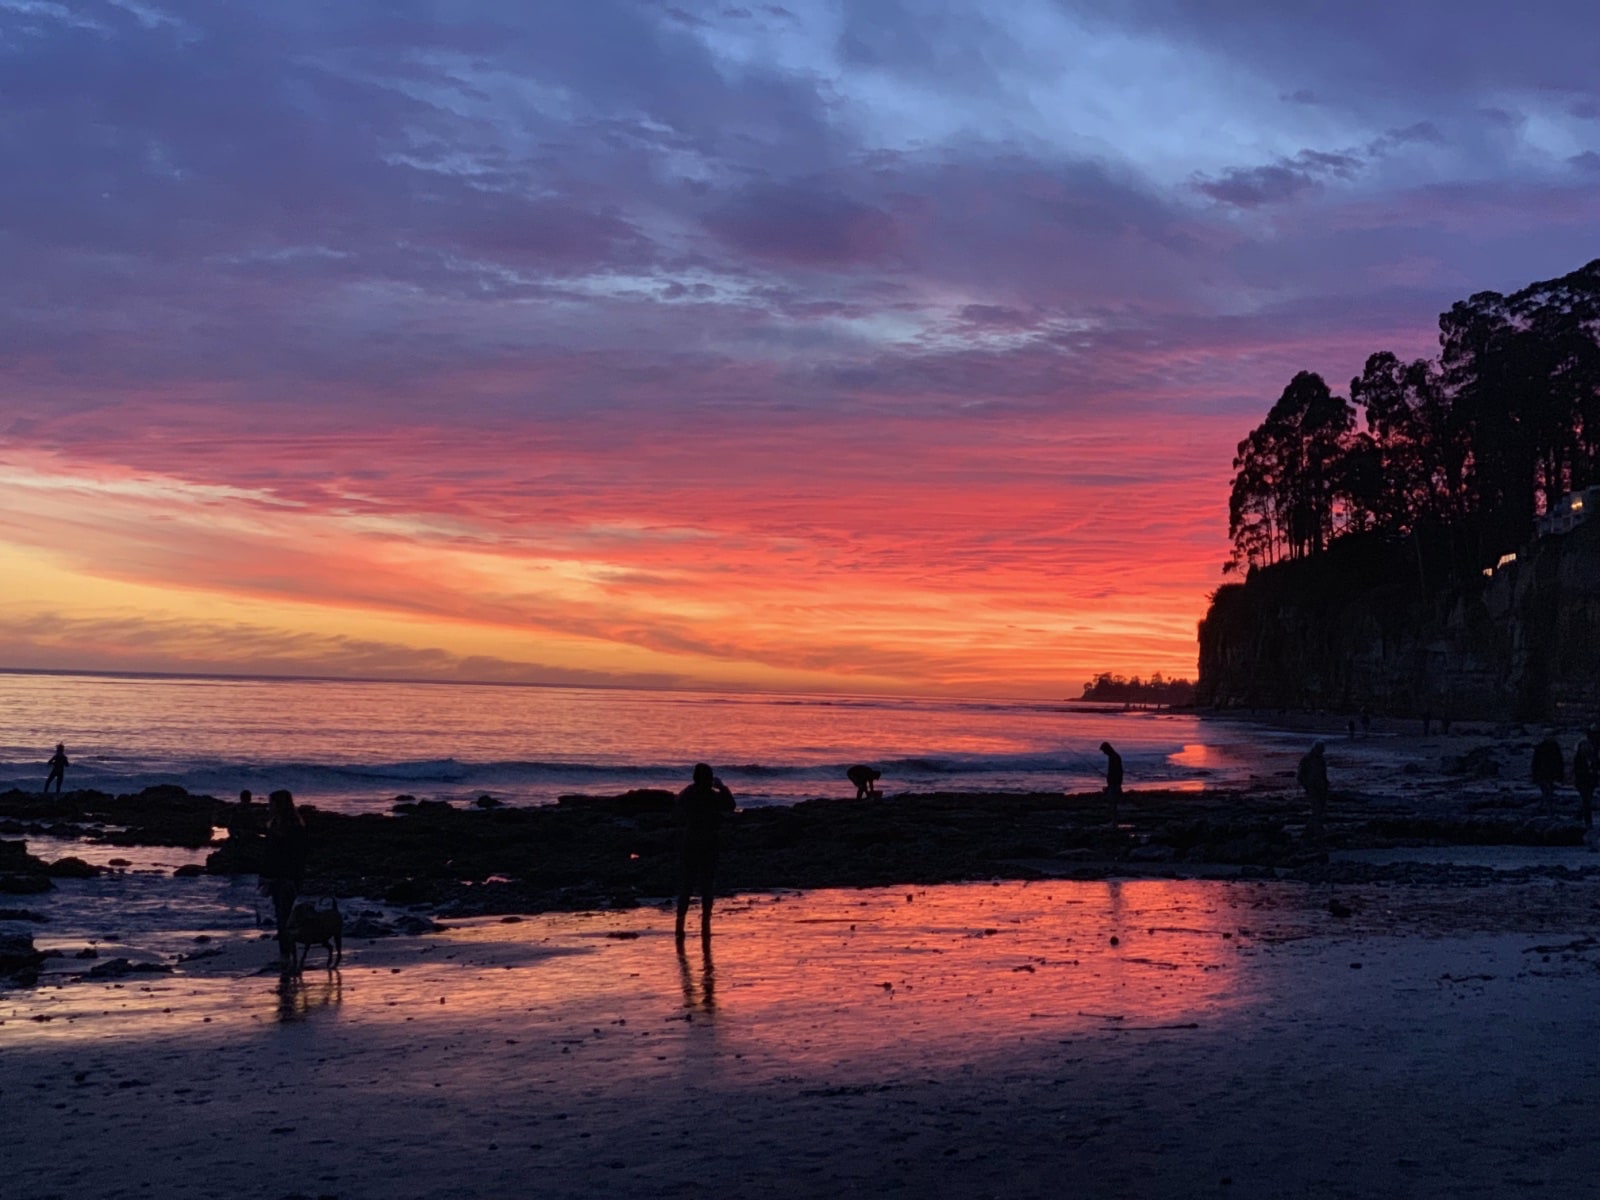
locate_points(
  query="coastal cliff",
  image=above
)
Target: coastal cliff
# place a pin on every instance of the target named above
(1360, 627)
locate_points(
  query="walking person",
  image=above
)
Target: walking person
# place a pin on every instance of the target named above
(1113, 778)
(58, 769)
(1313, 777)
(700, 807)
(1586, 774)
(283, 867)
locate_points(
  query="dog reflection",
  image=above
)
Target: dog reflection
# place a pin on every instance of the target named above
(297, 999)
(704, 994)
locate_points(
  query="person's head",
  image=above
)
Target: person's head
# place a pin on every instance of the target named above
(1105, 747)
(281, 809)
(60, 747)
(703, 775)
(1318, 747)
(245, 797)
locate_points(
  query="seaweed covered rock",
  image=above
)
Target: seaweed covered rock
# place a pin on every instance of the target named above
(19, 961)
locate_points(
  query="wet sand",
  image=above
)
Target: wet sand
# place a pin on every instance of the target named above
(958, 1040)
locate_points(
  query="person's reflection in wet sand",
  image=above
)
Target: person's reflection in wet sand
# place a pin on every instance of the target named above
(704, 996)
(297, 999)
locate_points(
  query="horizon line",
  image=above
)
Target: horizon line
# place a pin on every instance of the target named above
(259, 677)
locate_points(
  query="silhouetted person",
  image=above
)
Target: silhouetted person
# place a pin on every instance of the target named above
(864, 777)
(1113, 778)
(239, 821)
(1313, 777)
(58, 769)
(1548, 769)
(1585, 775)
(700, 808)
(283, 866)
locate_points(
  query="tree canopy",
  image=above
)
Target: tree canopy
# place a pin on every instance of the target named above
(1466, 449)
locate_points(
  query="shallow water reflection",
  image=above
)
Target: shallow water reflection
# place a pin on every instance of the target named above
(789, 978)
(301, 996)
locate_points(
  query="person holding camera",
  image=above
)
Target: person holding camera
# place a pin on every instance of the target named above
(700, 808)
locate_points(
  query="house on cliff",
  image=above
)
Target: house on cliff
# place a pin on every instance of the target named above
(1569, 512)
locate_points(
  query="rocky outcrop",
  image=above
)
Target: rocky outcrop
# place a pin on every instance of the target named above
(1362, 627)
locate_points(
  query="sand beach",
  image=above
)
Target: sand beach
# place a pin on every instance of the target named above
(976, 1039)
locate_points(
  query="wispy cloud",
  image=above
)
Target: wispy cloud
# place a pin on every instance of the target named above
(901, 344)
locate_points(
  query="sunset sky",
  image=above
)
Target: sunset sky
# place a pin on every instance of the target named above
(868, 346)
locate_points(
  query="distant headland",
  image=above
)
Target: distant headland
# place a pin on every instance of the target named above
(1157, 690)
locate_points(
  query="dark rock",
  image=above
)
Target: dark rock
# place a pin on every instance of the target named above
(188, 871)
(19, 961)
(629, 804)
(406, 891)
(116, 967)
(72, 868)
(1153, 852)
(22, 914)
(413, 925)
(14, 857)
(1479, 763)
(488, 802)
(368, 925)
(24, 885)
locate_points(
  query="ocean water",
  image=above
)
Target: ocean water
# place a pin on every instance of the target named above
(355, 746)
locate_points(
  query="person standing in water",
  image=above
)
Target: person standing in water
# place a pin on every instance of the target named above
(283, 866)
(700, 807)
(1113, 778)
(58, 769)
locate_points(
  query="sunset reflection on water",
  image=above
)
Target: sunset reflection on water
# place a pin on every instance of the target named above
(789, 980)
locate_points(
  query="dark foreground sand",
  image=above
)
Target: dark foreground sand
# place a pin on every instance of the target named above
(973, 1040)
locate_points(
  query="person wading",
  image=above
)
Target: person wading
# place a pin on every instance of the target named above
(700, 807)
(58, 769)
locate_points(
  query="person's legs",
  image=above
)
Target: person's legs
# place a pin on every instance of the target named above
(283, 897)
(686, 882)
(708, 888)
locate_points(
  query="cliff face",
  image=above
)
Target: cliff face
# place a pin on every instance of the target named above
(1356, 628)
